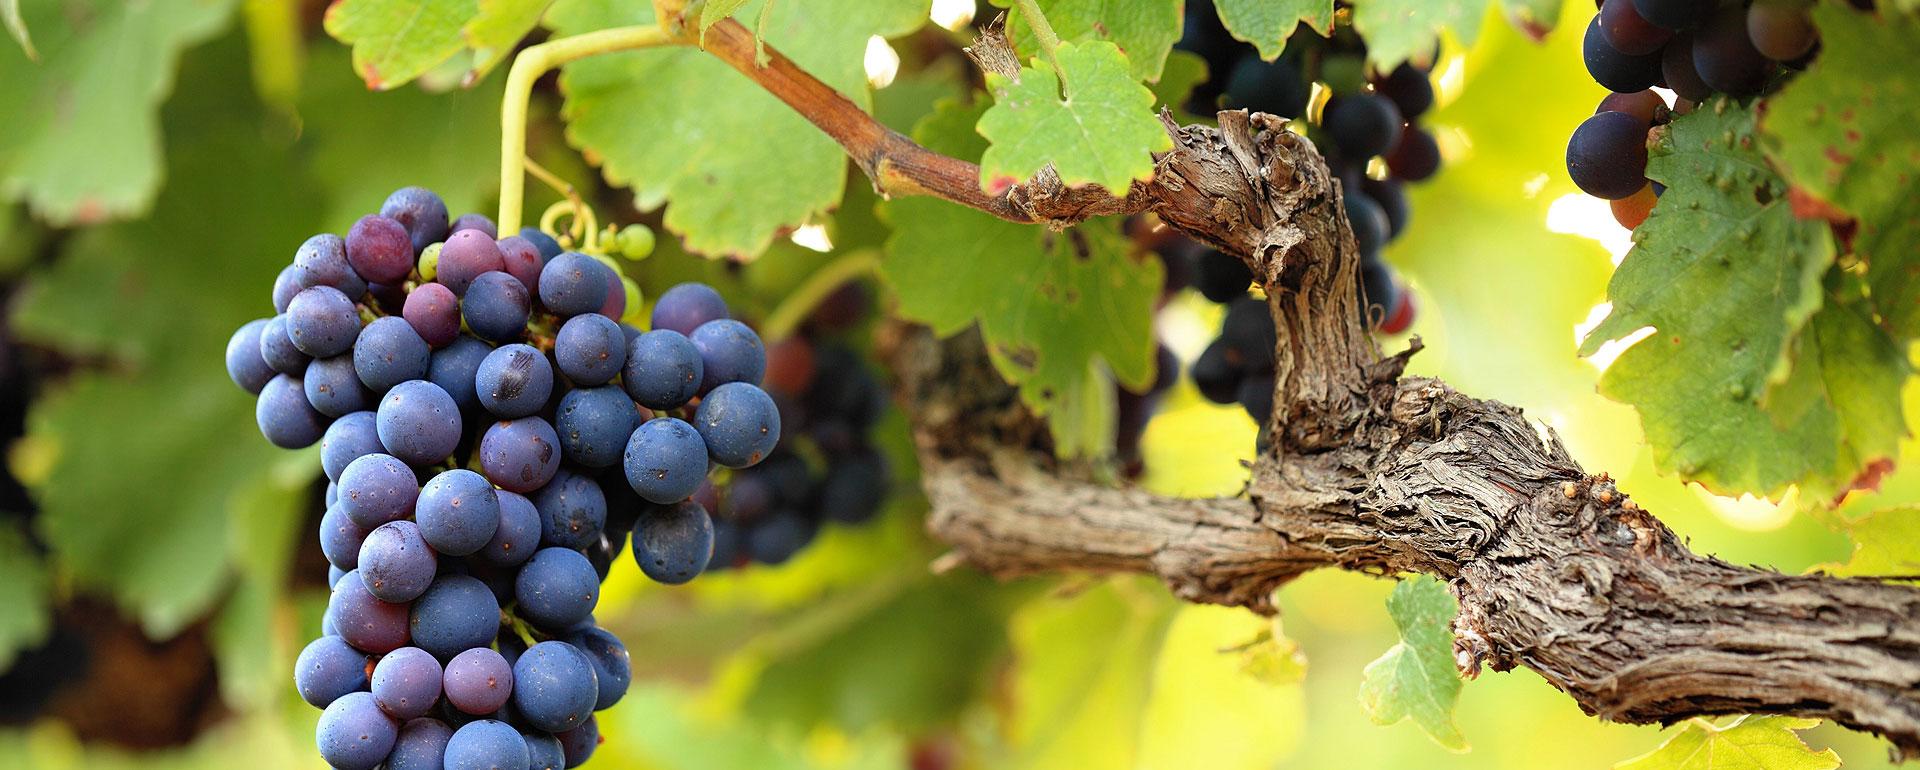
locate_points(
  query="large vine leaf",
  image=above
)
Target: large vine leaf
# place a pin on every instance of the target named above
(24, 619)
(82, 141)
(1144, 30)
(1097, 126)
(1749, 743)
(1051, 305)
(680, 127)
(1268, 23)
(1725, 275)
(1416, 678)
(1398, 30)
(1844, 133)
(145, 515)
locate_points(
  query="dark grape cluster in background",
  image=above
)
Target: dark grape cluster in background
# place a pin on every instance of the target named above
(1368, 130)
(1696, 48)
(828, 469)
(493, 439)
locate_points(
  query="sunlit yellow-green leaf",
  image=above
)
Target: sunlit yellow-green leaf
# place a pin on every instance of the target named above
(1749, 743)
(1416, 678)
(1726, 276)
(1885, 543)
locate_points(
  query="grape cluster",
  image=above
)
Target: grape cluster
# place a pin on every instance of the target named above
(493, 439)
(1696, 48)
(1368, 117)
(828, 470)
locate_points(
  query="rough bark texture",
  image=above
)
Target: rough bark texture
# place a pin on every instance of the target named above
(1366, 470)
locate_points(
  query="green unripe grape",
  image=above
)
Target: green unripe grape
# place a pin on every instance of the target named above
(430, 262)
(635, 242)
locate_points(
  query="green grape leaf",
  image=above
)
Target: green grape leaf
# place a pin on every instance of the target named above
(679, 127)
(1268, 23)
(496, 29)
(1844, 134)
(1885, 543)
(395, 41)
(1748, 743)
(166, 559)
(1144, 31)
(1398, 30)
(1416, 678)
(459, 127)
(17, 27)
(1724, 274)
(91, 151)
(24, 617)
(1098, 127)
(1537, 18)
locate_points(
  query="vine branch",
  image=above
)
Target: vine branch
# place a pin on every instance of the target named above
(1366, 470)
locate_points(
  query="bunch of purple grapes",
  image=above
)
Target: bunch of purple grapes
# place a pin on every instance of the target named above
(493, 440)
(1696, 48)
(828, 470)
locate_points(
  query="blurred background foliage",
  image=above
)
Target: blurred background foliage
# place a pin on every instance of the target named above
(162, 159)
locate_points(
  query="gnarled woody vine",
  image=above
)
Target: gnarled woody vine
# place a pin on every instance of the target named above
(1555, 569)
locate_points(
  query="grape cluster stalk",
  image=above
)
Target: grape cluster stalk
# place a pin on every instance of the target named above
(1369, 130)
(493, 440)
(1694, 48)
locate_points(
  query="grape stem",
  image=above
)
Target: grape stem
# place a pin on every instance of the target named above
(800, 302)
(1030, 10)
(527, 68)
(582, 213)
